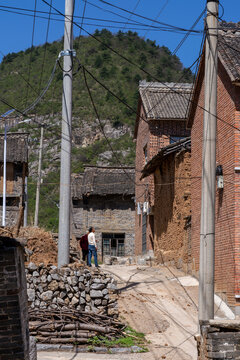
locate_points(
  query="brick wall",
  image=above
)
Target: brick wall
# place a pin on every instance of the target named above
(227, 200)
(172, 209)
(219, 339)
(153, 135)
(115, 214)
(14, 334)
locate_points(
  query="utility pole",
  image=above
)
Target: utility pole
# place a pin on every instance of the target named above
(207, 228)
(39, 179)
(26, 203)
(66, 142)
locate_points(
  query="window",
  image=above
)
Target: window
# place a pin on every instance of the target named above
(174, 139)
(113, 244)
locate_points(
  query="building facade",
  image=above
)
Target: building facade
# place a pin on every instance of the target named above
(161, 120)
(171, 168)
(103, 197)
(16, 173)
(227, 214)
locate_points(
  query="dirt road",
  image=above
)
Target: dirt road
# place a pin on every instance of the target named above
(152, 301)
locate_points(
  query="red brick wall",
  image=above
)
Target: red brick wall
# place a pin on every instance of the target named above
(227, 218)
(155, 134)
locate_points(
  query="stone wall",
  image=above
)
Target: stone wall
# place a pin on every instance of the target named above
(76, 288)
(14, 333)
(115, 214)
(219, 339)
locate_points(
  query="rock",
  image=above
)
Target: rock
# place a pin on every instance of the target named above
(96, 294)
(43, 279)
(96, 286)
(112, 287)
(88, 298)
(74, 301)
(98, 302)
(35, 274)
(49, 278)
(81, 279)
(74, 280)
(82, 301)
(96, 280)
(83, 294)
(69, 280)
(106, 281)
(53, 285)
(104, 302)
(63, 294)
(60, 301)
(61, 285)
(81, 286)
(105, 292)
(112, 311)
(87, 308)
(55, 277)
(31, 294)
(66, 301)
(47, 295)
(32, 266)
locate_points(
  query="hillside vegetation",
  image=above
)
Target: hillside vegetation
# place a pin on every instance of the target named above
(35, 65)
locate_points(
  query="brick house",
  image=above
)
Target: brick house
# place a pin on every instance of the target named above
(17, 170)
(103, 197)
(227, 246)
(161, 120)
(171, 168)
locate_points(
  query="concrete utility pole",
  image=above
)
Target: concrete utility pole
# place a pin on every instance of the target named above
(39, 179)
(207, 230)
(26, 203)
(65, 174)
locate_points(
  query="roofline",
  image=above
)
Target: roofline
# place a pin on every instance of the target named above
(152, 164)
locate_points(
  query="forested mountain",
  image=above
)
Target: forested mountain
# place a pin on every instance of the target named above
(25, 74)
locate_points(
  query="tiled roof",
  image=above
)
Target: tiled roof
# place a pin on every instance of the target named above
(102, 181)
(17, 147)
(165, 151)
(165, 101)
(229, 49)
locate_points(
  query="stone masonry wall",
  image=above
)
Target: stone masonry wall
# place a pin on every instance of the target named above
(14, 333)
(115, 214)
(76, 288)
(219, 339)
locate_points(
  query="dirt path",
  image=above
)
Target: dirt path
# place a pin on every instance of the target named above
(153, 301)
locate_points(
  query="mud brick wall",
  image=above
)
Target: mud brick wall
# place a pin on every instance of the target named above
(172, 210)
(14, 333)
(219, 340)
(152, 135)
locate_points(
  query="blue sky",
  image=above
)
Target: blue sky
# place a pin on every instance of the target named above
(16, 30)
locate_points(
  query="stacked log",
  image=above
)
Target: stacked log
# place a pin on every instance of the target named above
(71, 326)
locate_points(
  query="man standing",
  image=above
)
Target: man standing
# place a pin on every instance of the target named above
(84, 247)
(92, 247)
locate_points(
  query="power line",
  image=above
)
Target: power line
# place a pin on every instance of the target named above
(144, 17)
(30, 56)
(135, 7)
(160, 12)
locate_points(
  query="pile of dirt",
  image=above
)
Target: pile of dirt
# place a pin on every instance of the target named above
(41, 247)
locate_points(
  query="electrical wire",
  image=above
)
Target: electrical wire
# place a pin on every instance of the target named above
(135, 7)
(30, 56)
(159, 13)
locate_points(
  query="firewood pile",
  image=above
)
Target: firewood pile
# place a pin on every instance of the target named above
(71, 326)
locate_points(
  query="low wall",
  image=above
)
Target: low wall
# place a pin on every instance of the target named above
(219, 339)
(77, 288)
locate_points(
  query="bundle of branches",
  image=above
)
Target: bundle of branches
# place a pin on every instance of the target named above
(71, 326)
